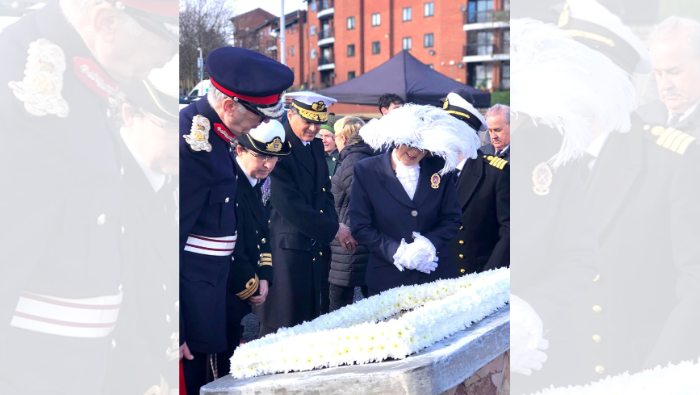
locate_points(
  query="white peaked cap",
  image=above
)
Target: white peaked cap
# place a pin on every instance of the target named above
(427, 128)
(268, 131)
(457, 100)
(310, 98)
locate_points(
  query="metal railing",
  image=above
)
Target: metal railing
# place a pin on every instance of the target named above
(323, 5)
(325, 33)
(485, 16)
(477, 49)
(325, 60)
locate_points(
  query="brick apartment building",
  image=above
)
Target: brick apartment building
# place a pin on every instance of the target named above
(336, 40)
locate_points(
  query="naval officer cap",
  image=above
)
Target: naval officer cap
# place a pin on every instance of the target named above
(458, 103)
(159, 16)
(266, 139)
(312, 107)
(594, 26)
(251, 79)
(157, 94)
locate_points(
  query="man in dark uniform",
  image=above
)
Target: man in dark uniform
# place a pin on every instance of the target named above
(303, 220)
(246, 90)
(257, 153)
(147, 117)
(483, 188)
(498, 119)
(61, 210)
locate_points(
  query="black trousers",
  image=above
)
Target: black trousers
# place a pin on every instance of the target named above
(342, 296)
(201, 370)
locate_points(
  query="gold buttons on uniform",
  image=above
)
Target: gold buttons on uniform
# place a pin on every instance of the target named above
(414, 213)
(258, 246)
(313, 259)
(597, 278)
(320, 254)
(101, 219)
(462, 270)
(461, 242)
(324, 189)
(256, 232)
(321, 211)
(597, 338)
(226, 200)
(461, 256)
(263, 240)
(596, 308)
(461, 227)
(599, 369)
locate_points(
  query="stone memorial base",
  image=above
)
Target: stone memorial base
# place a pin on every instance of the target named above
(474, 362)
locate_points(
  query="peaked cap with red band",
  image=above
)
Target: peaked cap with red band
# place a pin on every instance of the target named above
(158, 16)
(252, 79)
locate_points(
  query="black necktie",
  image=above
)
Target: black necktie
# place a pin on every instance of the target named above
(258, 190)
(674, 119)
(500, 153)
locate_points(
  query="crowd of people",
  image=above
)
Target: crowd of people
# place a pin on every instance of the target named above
(297, 207)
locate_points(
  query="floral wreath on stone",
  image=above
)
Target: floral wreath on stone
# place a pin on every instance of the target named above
(394, 324)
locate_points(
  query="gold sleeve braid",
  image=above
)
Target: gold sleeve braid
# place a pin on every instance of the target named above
(250, 288)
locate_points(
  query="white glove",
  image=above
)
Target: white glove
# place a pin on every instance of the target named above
(400, 252)
(527, 344)
(420, 255)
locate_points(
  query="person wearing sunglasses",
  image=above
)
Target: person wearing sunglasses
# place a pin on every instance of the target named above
(246, 91)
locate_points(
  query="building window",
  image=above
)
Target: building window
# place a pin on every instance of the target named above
(351, 22)
(484, 78)
(291, 50)
(428, 40)
(312, 4)
(479, 43)
(480, 11)
(376, 19)
(313, 77)
(261, 34)
(313, 53)
(351, 50)
(312, 30)
(505, 76)
(291, 29)
(351, 75)
(375, 47)
(431, 66)
(429, 9)
(407, 14)
(407, 43)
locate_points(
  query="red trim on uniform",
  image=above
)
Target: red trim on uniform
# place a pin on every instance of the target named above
(216, 241)
(224, 133)
(257, 100)
(95, 71)
(166, 8)
(63, 323)
(210, 249)
(69, 304)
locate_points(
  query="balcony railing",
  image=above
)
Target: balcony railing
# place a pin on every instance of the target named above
(325, 33)
(478, 49)
(324, 5)
(325, 60)
(486, 16)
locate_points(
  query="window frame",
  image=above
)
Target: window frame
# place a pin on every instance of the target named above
(410, 43)
(428, 6)
(353, 75)
(425, 40)
(379, 19)
(378, 46)
(350, 18)
(353, 51)
(410, 14)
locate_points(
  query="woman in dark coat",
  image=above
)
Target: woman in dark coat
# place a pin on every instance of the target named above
(347, 268)
(404, 206)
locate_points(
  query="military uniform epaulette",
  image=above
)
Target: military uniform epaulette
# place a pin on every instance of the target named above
(198, 139)
(496, 162)
(667, 137)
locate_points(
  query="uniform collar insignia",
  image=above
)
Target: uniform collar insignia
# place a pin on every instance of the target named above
(40, 90)
(224, 133)
(198, 139)
(94, 77)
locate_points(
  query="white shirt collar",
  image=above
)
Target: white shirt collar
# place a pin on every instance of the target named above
(461, 164)
(686, 113)
(504, 149)
(157, 180)
(253, 181)
(305, 142)
(595, 147)
(407, 175)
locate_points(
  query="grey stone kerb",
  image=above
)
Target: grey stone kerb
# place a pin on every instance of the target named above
(432, 371)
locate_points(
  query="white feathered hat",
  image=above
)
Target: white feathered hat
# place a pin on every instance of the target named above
(567, 85)
(427, 128)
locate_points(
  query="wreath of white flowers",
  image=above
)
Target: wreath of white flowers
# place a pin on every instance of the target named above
(678, 379)
(370, 330)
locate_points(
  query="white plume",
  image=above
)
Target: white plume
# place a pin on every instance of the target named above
(424, 127)
(567, 85)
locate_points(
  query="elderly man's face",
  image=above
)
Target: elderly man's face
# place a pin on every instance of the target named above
(124, 48)
(238, 119)
(676, 68)
(328, 139)
(499, 131)
(306, 131)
